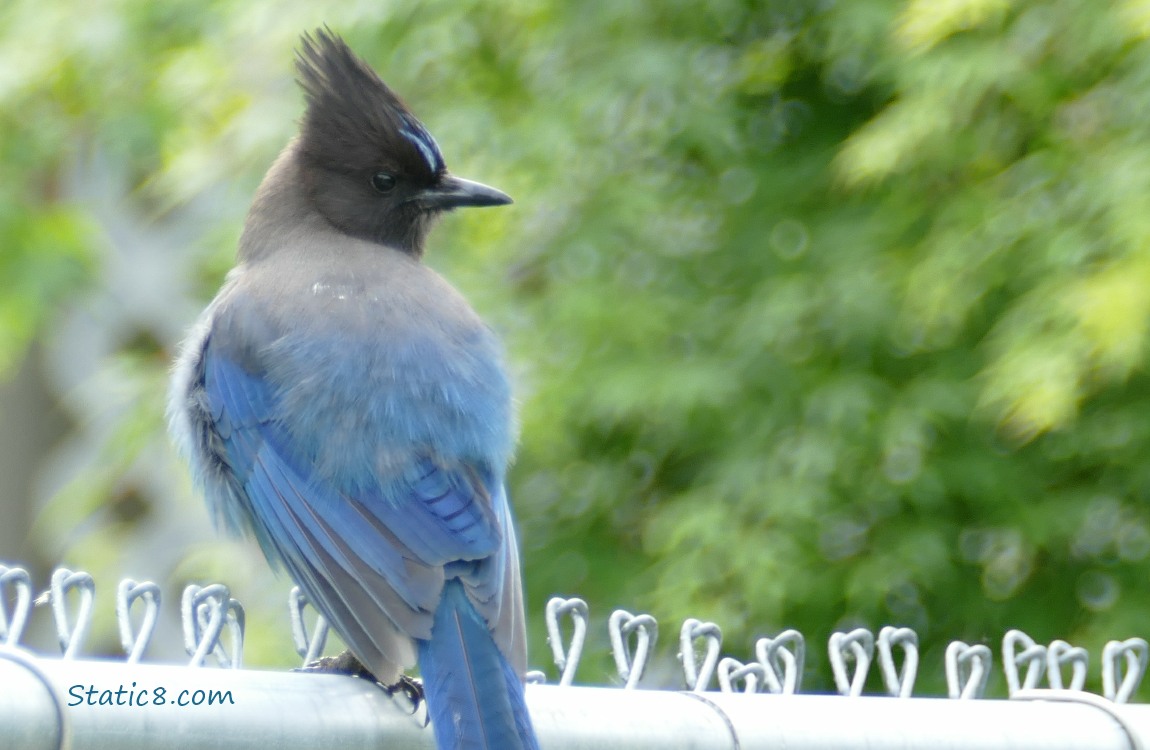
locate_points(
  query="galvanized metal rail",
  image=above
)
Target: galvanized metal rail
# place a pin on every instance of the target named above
(81, 704)
(45, 704)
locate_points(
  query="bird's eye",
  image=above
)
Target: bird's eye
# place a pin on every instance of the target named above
(383, 182)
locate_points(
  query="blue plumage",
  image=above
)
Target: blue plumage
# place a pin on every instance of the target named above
(459, 657)
(343, 404)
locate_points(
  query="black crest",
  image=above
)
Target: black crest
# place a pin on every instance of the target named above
(354, 123)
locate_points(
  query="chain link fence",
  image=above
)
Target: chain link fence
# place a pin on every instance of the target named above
(85, 703)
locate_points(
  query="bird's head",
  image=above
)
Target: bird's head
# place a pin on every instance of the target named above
(367, 164)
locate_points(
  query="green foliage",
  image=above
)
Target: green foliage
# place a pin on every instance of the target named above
(823, 314)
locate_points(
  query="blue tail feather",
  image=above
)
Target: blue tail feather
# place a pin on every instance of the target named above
(474, 697)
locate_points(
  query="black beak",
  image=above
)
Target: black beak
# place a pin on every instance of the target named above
(455, 192)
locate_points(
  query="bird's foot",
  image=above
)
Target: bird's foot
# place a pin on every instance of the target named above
(345, 663)
(405, 688)
(409, 688)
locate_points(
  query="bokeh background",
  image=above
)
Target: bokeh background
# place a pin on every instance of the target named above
(822, 314)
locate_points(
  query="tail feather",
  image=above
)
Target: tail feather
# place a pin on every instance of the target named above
(474, 696)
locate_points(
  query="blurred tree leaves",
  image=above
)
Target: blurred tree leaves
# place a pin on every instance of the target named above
(824, 313)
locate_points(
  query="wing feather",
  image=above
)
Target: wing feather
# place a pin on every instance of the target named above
(372, 560)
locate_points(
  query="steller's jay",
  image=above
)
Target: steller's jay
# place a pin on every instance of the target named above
(342, 403)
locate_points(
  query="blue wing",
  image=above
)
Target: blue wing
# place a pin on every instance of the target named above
(372, 553)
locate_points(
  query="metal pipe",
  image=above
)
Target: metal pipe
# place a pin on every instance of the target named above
(46, 704)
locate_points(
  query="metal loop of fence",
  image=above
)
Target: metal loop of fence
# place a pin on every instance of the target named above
(205, 612)
(732, 671)
(235, 620)
(782, 659)
(858, 645)
(898, 683)
(567, 660)
(1032, 654)
(201, 637)
(12, 622)
(309, 647)
(70, 637)
(136, 642)
(1060, 653)
(620, 627)
(1119, 684)
(698, 676)
(208, 611)
(967, 669)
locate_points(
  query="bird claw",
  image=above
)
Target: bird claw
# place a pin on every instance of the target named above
(410, 688)
(345, 663)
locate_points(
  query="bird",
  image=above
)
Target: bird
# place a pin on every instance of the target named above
(343, 404)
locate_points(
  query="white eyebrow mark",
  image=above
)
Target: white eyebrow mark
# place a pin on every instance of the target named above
(423, 141)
